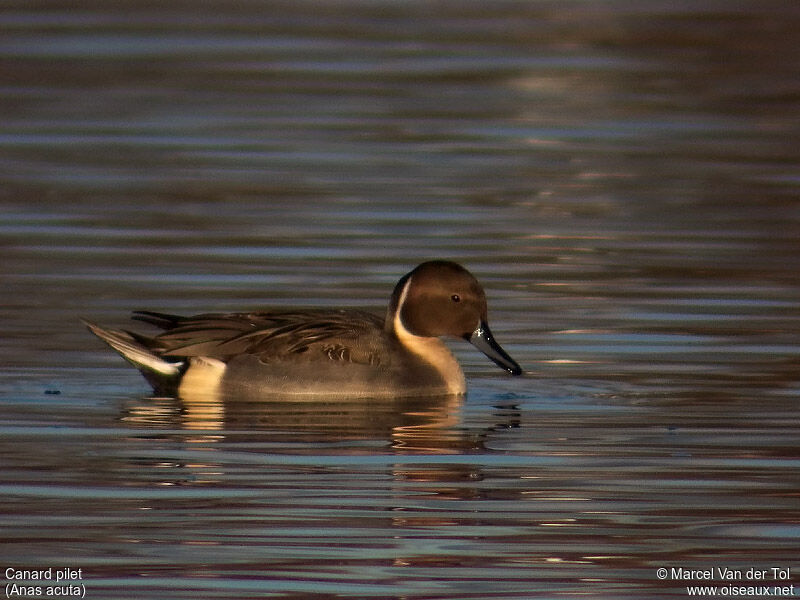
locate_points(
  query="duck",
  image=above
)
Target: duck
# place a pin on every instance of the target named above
(320, 353)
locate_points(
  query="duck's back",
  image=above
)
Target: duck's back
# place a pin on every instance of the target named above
(276, 336)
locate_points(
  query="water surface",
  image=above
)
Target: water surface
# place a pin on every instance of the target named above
(624, 181)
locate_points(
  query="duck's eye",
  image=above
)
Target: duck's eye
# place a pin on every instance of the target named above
(455, 298)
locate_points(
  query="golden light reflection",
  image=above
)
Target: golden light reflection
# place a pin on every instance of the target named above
(203, 413)
(430, 430)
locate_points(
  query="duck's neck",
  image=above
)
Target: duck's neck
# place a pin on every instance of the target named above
(433, 352)
(430, 350)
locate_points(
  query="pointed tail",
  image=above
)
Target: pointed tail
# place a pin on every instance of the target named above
(161, 374)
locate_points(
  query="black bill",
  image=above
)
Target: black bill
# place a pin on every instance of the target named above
(483, 340)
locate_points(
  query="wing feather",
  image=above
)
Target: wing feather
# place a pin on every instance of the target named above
(337, 335)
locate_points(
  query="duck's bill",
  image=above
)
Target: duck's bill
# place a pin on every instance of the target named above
(483, 340)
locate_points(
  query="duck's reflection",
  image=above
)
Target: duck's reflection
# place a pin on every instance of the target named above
(420, 425)
(219, 434)
(424, 425)
(421, 444)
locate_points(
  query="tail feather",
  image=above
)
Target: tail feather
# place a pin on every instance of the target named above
(162, 320)
(163, 375)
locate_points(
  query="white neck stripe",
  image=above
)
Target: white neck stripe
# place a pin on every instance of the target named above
(397, 324)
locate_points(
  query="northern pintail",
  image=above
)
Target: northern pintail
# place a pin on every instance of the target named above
(317, 352)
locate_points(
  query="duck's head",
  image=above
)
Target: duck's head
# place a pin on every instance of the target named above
(442, 298)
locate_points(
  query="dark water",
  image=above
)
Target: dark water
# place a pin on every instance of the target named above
(624, 178)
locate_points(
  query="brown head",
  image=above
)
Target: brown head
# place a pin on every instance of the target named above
(443, 298)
